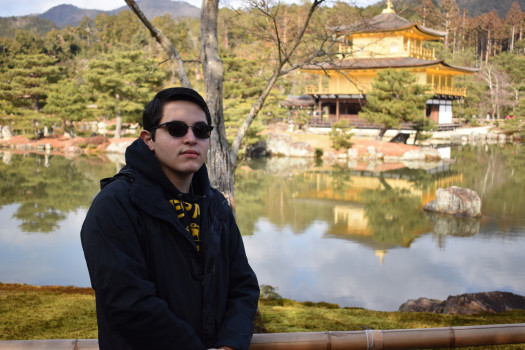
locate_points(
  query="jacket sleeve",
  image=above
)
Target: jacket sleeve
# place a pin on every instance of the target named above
(236, 330)
(119, 276)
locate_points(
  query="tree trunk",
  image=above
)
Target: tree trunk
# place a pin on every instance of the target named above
(71, 129)
(118, 127)
(382, 132)
(497, 99)
(221, 170)
(487, 53)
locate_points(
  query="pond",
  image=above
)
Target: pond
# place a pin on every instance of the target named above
(351, 233)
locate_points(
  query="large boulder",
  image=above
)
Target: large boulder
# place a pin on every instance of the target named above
(72, 150)
(422, 305)
(467, 304)
(283, 145)
(6, 134)
(118, 147)
(424, 153)
(455, 201)
(257, 150)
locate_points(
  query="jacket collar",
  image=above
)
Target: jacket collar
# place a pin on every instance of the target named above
(151, 188)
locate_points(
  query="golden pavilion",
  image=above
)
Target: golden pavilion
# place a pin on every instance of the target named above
(385, 41)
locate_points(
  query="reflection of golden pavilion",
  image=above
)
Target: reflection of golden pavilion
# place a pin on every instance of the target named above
(381, 254)
(348, 213)
(325, 187)
(353, 217)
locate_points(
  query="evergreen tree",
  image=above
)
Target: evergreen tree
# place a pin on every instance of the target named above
(24, 86)
(243, 82)
(28, 79)
(514, 23)
(27, 42)
(68, 101)
(122, 83)
(513, 66)
(395, 98)
(426, 12)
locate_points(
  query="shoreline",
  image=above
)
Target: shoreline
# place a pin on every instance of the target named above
(510, 301)
(299, 144)
(53, 312)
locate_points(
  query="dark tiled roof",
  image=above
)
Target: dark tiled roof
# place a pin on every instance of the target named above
(298, 101)
(386, 22)
(371, 63)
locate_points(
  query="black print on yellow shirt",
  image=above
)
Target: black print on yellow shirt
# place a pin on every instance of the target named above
(190, 217)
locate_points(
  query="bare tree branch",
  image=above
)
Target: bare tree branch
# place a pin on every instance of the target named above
(278, 71)
(163, 41)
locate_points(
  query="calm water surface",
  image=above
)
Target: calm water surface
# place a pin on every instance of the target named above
(352, 233)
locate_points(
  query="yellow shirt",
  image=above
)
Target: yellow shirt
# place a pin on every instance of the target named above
(190, 218)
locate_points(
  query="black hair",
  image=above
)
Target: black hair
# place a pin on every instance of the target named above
(153, 111)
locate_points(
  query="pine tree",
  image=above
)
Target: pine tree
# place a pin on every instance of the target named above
(123, 82)
(28, 80)
(24, 86)
(68, 101)
(426, 12)
(395, 98)
(514, 22)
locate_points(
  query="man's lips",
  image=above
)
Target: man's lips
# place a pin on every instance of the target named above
(190, 152)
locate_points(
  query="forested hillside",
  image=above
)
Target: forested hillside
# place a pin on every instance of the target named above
(109, 66)
(478, 7)
(33, 24)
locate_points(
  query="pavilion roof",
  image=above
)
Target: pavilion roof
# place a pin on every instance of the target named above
(375, 63)
(386, 22)
(298, 101)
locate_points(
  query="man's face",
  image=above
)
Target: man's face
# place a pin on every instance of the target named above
(180, 157)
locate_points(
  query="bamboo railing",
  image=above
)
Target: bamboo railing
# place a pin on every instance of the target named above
(424, 338)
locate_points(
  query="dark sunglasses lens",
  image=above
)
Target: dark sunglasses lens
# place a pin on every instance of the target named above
(201, 130)
(177, 129)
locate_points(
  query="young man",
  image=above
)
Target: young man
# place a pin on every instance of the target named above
(164, 254)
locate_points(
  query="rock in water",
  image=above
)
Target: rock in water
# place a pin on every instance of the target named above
(456, 201)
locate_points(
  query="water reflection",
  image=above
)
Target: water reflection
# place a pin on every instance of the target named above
(48, 187)
(378, 208)
(352, 233)
(384, 249)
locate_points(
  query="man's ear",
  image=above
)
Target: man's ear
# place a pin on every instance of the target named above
(145, 136)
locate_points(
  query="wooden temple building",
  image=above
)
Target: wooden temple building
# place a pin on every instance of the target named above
(385, 41)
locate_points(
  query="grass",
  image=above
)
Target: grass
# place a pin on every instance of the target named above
(31, 312)
(292, 316)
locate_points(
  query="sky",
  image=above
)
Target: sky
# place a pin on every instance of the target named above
(27, 7)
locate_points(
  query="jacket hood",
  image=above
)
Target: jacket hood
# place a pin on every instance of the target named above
(141, 159)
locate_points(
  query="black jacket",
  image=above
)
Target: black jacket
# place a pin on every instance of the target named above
(153, 289)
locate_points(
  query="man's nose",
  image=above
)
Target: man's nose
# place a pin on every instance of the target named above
(190, 136)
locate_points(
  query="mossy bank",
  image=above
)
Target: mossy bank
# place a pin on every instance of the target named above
(51, 312)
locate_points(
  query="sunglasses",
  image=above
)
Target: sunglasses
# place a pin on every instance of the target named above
(177, 128)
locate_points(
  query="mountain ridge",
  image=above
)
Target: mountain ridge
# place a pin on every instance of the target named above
(66, 14)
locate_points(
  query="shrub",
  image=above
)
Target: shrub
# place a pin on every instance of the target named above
(340, 134)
